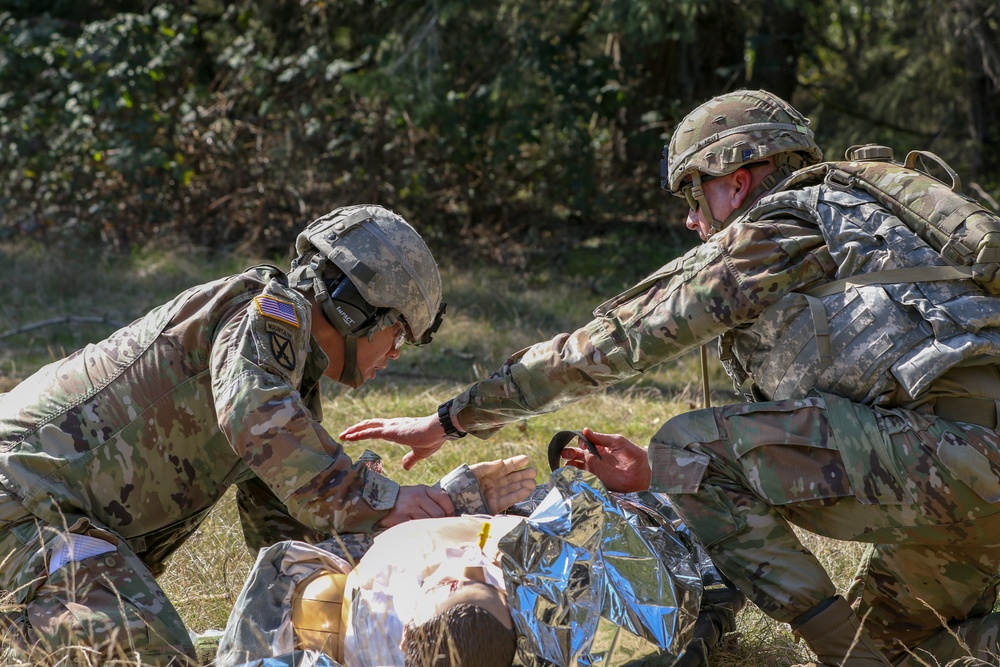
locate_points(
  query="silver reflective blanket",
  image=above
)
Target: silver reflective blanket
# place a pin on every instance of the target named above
(595, 578)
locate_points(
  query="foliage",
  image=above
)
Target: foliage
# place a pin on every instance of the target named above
(229, 124)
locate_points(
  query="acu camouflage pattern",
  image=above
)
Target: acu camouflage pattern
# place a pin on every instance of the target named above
(383, 256)
(732, 130)
(920, 490)
(960, 228)
(890, 342)
(144, 431)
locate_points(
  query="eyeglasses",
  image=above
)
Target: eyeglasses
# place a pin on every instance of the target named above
(400, 335)
(705, 178)
(689, 196)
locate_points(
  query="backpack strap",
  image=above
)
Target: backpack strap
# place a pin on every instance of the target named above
(920, 274)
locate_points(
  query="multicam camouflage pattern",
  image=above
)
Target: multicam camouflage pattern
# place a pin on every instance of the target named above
(879, 468)
(265, 519)
(383, 256)
(735, 129)
(262, 608)
(271, 524)
(106, 605)
(890, 342)
(917, 488)
(145, 431)
(960, 228)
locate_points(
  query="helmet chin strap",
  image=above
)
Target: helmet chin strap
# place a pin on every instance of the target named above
(699, 196)
(350, 375)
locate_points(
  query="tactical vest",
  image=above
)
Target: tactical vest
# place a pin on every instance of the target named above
(900, 312)
(966, 233)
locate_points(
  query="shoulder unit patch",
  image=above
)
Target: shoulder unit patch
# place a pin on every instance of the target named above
(276, 309)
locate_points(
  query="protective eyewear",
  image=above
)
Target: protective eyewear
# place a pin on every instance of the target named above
(399, 331)
(688, 194)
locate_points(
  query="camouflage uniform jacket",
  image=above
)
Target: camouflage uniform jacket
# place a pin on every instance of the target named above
(144, 431)
(889, 341)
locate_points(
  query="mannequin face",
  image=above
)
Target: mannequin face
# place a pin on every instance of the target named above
(469, 588)
(373, 355)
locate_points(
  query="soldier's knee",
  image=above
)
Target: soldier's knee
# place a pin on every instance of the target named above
(697, 426)
(102, 605)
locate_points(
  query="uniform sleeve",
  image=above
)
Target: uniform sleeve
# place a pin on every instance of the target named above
(257, 366)
(265, 519)
(724, 283)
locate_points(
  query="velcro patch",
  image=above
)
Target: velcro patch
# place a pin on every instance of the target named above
(276, 309)
(283, 350)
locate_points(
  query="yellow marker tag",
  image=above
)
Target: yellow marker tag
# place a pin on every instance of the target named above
(484, 534)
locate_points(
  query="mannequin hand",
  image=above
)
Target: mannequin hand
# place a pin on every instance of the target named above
(418, 502)
(505, 481)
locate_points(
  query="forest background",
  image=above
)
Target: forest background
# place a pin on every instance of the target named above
(502, 129)
(146, 147)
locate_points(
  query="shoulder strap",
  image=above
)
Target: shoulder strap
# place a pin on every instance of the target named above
(922, 274)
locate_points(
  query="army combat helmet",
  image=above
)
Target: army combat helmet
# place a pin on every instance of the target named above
(368, 268)
(731, 131)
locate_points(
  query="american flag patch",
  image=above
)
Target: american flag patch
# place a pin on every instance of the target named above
(277, 309)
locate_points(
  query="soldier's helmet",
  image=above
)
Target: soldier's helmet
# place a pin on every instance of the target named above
(368, 268)
(734, 130)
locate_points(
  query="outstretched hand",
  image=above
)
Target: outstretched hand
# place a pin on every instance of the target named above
(505, 481)
(423, 435)
(624, 465)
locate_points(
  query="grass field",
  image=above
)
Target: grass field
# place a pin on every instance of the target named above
(493, 311)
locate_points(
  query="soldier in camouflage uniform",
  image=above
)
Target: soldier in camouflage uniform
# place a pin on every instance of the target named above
(884, 431)
(112, 457)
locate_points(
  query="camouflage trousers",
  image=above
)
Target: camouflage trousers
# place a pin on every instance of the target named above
(65, 604)
(922, 492)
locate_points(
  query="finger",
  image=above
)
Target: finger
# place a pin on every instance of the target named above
(599, 439)
(505, 471)
(517, 462)
(362, 431)
(522, 475)
(489, 468)
(441, 501)
(517, 495)
(410, 459)
(510, 495)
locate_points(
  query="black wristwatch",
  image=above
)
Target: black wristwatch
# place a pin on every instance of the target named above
(444, 417)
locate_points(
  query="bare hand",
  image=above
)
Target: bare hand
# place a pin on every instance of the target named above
(423, 435)
(624, 466)
(418, 502)
(505, 481)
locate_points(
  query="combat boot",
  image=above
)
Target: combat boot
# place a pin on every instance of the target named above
(834, 633)
(719, 607)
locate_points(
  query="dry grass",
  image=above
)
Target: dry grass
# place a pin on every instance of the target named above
(490, 314)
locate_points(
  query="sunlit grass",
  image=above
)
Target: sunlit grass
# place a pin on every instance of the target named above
(491, 314)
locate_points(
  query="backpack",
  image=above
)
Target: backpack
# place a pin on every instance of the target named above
(963, 231)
